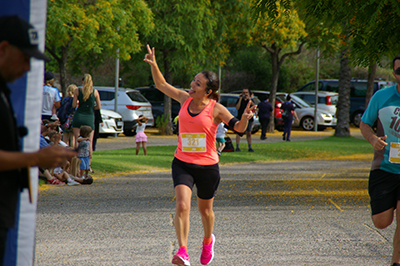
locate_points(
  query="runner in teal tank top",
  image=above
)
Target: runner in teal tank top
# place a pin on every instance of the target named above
(384, 179)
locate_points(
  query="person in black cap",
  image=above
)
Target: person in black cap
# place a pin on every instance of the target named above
(18, 43)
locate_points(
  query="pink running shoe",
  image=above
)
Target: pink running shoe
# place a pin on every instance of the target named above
(181, 258)
(207, 254)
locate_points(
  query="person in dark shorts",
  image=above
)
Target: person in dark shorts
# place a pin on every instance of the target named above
(384, 178)
(196, 159)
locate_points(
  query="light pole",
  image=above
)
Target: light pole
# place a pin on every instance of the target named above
(316, 90)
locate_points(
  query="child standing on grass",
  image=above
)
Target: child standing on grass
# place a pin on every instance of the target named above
(140, 135)
(83, 150)
(221, 137)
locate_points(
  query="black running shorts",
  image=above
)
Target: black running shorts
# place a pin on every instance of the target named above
(206, 177)
(384, 190)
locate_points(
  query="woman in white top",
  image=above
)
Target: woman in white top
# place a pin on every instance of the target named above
(140, 135)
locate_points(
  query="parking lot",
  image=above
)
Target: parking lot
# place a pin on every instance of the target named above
(281, 213)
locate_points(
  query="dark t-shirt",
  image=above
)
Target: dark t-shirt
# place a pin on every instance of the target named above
(242, 107)
(10, 181)
(264, 109)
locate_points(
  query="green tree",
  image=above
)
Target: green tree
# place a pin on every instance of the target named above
(101, 28)
(282, 37)
(181, 37)
(370, 30)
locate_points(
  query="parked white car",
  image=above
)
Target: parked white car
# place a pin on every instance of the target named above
(112, 123)
(131, 104)
(305, 113)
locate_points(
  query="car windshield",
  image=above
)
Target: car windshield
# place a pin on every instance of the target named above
(136, 96)
(299, 102)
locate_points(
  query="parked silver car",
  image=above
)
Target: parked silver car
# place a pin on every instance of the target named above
(305, 113)
(326, 100)
(131, 104)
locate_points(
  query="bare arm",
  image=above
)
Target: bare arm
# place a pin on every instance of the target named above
(47, 157)
(97, 99)
(378, 143)
(295, 115)
(75, 100)
(159, 80)
(57, 104)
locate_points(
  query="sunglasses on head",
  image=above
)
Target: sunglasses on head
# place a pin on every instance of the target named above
(397, 71)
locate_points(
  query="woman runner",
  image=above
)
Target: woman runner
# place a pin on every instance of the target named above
(196, 159)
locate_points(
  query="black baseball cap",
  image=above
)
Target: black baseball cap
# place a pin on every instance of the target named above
(49, 76)
(21, 34)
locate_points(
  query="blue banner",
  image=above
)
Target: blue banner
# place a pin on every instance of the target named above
(26, 97)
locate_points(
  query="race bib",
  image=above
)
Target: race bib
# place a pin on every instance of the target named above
(193, 142)
(394, 153)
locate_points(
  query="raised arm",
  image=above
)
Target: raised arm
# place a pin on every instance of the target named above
(159, 80)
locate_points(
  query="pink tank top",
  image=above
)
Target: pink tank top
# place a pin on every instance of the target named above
(197, 136)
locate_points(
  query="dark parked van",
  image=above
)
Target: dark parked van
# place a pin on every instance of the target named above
(358, 92)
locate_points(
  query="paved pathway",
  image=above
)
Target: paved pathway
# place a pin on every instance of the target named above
(281, 213)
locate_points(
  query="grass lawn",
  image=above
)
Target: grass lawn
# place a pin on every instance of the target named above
(122, 162)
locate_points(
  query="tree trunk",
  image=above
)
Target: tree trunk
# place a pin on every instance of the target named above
(343, 105)
(370, 86)
(167, 99)
(274, 86)
(276, 67)
(63, 70)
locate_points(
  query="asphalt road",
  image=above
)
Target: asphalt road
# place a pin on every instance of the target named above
(282, 213)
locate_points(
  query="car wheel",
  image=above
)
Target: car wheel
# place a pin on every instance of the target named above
(307, 123)
(357, 118)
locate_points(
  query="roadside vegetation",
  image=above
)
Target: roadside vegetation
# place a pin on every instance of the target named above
(122, 162)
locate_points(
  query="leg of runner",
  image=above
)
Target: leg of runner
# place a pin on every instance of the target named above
(182, 223)
(208, 218)
(183, 196)
(396, 238)
(207, 215)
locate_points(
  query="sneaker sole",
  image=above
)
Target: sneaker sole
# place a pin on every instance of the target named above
(179, 261)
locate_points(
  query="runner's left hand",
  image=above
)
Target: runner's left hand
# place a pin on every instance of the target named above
(248, 112)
